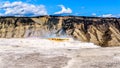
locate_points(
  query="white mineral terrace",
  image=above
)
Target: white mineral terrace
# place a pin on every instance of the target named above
(45, 43)
(44, 53)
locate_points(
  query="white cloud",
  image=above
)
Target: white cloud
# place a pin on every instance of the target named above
(22, 9)
(64, 10)
(108, 15)
(93, 14)
(118, 15)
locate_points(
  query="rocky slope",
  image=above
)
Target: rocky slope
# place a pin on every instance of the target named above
(101, 31)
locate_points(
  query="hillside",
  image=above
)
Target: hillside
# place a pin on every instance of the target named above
(100, 31)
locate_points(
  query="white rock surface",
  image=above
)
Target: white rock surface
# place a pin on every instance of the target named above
(29, 53)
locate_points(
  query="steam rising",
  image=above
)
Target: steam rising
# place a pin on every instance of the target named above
(40, 39)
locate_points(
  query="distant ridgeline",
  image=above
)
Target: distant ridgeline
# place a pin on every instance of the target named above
(101, 31)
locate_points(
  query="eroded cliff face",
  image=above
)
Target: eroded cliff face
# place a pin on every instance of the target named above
(101, 31)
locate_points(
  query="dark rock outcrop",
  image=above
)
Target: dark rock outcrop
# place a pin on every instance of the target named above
(101, 31)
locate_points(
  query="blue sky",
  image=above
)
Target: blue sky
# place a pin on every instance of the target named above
(103, 8)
